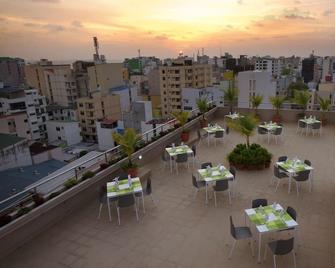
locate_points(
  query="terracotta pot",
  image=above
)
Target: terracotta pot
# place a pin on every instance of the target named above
(276, 118)
(203, 123)
(324, 121)
(133, 172)
(185, 136)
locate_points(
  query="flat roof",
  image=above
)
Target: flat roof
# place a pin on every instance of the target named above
(7, 140)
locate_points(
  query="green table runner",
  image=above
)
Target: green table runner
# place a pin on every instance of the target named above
(179, 150)
(290, 165)
(214, 174)
(124, 188)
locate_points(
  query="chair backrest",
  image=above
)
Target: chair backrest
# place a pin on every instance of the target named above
(276, 172)
(302, 175)
(181, 158)
(194, 181)
(194, 149)
(122, 175)
(316, 125)
(126, 201)
(291, 211)
(308, 162)
(284, 247)
(259, 202)
(232, 227)
(199, 134)
(282, 158)
(102, 193)
(206, 164)
(278, 131)
(148, 189)
(221, 185)
(218, 134)
(232, 170)
(302, 124)
(261, 130)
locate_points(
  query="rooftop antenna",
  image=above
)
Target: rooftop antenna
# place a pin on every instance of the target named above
(139, 53)
(202, 51)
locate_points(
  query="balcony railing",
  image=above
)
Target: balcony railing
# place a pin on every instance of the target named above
(113, 155)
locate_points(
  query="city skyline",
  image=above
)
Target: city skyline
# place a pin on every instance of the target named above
(63, 30)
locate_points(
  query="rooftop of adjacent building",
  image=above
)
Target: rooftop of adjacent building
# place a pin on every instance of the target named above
(38, 147)
(7, 140)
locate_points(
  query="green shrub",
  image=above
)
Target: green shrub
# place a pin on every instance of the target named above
(70, 183)
(253, 157)
(87, 175)
(22, 211)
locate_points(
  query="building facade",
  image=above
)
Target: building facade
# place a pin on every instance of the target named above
(12, 71)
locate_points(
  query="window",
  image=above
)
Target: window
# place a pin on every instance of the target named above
(57, 128)
(25, 120)
(28, 132)
(59, 138)
(34, 123)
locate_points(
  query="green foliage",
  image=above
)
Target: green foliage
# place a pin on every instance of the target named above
(202, 105)
(231, 95)
(298, 85)
(256, 101)
(87, 175)
(245, 126)
(301, 97)
(23, 211)
(277, 102)
(82, 153)
(286, 71)
(252, 156)
(181, 117)
(127, 141)
(70, 183)
(324, 104)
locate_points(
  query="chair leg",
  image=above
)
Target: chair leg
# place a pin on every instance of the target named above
(229, 196)
(274, 261)
(118, 215)
(153, 200)
(100, 208)
(294, 261)
(232, 249)
(297, 187)
(252, 247)
(277, 185)
(136, 212)
(195, 193)
(214, 198)
(265, 252)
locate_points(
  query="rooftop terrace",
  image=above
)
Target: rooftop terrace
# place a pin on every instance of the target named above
(181, 231)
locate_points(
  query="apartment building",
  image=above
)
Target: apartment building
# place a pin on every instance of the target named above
(181, 73)
(251, 83)
(17, 100)
(269, 64)
(105, 76)
(12, 71)
(81, 77)
(56, 82)
(96, 107)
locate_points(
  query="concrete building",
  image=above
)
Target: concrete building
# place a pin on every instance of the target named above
(251, 83)
(42, 152)
(141, 111)
(81, 77)
(14, 152)
(95, 107)
(61, 113)
(269, 64)
(154, 93)
(105, 76)
(64, 130)
(307, 71)
(191, 95)
(105, 129)
(12, 71)
(16, 124)
(15, 100)
(182, 73)
(124, 92)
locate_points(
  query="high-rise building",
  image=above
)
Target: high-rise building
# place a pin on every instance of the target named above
(307, 71)
(181, 73)
(269, 64)
(81, 77)
(24, 113)
(97, 107)
(11, 71)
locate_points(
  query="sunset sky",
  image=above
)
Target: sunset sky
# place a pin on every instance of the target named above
(63, 29)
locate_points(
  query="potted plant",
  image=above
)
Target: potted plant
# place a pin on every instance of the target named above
(203, 108)
(231, 95)
(182, 118)
(255, 102)
(128, 142)
(301, 97)
(324, 106)
(277, 102)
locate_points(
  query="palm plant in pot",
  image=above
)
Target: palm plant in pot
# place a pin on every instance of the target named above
(128, 142)
(182, 118)
(301, 97)
(324, 107)
(231, 95)
(255, 102)
(203, 108)
(277, 102)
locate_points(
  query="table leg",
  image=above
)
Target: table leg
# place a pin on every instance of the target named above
(208, 139)
(143, 202)
(289, 183)
(170, 163)
(109, 210)
(206, 193)
(259, 247)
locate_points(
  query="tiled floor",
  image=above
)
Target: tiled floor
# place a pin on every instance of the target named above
(183, 232)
